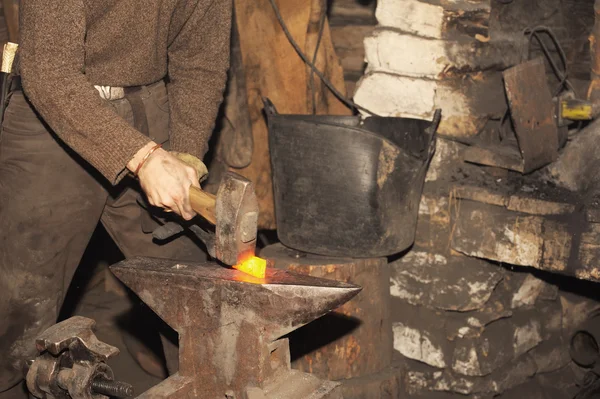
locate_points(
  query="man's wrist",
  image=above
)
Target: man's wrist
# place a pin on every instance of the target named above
(137, 159)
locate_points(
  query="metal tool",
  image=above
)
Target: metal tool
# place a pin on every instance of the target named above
(230, 326)
(72, 363)
(570, 109)
(233, 211)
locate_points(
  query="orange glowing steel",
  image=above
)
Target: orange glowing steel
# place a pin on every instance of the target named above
(253, 266)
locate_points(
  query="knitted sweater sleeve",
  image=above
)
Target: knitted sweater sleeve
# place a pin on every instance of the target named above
(198, 63)
(52, 69)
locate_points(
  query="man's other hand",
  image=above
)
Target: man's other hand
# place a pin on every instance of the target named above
(166, 181)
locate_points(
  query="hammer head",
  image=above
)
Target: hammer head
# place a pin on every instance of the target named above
(236, 212)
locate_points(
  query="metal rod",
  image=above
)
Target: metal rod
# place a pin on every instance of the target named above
(112, 388)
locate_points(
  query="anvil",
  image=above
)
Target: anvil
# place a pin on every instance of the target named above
(230, 325)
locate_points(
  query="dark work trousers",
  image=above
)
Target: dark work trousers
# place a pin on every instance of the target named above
(50, 203)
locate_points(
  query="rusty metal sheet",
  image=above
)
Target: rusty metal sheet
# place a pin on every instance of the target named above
(531, 109)
(500, 156)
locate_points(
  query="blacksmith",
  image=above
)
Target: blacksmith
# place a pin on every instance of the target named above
(107, 88)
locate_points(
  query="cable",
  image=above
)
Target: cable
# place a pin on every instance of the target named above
(314, 60)
(340, 96)
(562, 76)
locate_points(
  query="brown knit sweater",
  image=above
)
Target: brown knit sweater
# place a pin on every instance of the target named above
(68, 46)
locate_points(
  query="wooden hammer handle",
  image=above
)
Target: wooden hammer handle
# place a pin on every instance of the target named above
(203, 204)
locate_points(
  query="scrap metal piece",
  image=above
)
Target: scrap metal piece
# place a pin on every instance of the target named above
(535, 120)
(229, 323)
(76, 335)
(72, 364)
(236, 212)
(531, 109)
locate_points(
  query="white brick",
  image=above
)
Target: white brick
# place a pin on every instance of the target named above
(409, 55)
(388, 50)
(411, 16)
(393, 95)
(416, 344)
(389, 94)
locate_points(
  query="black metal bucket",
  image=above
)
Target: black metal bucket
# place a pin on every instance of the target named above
(345, 186)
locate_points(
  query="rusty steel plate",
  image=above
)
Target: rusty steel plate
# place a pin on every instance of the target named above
(531, 109)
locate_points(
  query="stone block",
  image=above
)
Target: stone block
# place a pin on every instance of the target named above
(435, 19)
(496, 233)
(500, 343)
(411, 16)
(562, 383)
(410, 55)
(575, 311)
(418, 381)
(463, 114)
(433, 223)
(448, 282)
(389, 94)
(530, 290)
(420, 337)
(551, 355)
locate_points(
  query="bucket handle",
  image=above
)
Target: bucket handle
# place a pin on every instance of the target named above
(270, 109)
(432, 131)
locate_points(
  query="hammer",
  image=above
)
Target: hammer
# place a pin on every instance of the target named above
(234, 212)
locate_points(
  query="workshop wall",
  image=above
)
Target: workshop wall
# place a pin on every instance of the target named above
(424, 56)
(351, 21)
(428, 54)
(463, 325)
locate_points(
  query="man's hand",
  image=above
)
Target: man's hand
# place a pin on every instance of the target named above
(166, 180)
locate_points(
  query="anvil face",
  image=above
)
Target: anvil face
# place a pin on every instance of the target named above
(222, 275)
(227, 320)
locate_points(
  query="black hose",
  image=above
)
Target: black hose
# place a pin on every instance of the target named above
(349, 103)
(561, 75)
(314, 60)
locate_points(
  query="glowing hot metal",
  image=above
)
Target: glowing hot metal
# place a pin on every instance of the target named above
(254, 266)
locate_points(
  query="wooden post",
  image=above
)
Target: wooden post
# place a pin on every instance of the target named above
(355, 340)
